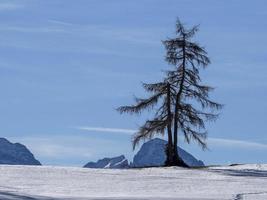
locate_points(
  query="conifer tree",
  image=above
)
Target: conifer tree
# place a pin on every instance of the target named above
(192, 106)
(180, 102)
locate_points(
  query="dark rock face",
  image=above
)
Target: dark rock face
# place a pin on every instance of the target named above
(15, 154)
(119, 162)
(152, 153)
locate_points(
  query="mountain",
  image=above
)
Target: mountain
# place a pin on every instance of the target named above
(119, 162)
(152, 153)
(15, 154)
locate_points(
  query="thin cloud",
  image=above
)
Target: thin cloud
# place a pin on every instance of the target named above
(133, 35)
(28, 29)
(108, 130)
(55, 147)
(9, 6)
(213, 141)
(60, 22)
(236, 143)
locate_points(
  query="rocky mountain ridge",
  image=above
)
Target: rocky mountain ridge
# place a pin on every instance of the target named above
(151, 154)
(15, 154)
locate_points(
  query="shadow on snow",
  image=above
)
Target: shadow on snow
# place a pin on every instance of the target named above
(245, 173)
(12, 196)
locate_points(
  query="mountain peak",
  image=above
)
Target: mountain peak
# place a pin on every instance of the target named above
(152, 153)
(15, 154)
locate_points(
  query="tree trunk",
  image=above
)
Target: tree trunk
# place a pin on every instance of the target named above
(169, 146)
(177, 160)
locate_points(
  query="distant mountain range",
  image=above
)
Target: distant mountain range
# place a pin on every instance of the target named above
(151, 154)
(15, 154)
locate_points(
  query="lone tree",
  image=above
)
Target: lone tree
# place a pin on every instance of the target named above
(180, 102)
(192, 106)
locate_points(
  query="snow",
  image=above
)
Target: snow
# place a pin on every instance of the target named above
(48, 182)
(119, 162)
(107, 166)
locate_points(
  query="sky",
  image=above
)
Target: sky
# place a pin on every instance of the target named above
(65, 66)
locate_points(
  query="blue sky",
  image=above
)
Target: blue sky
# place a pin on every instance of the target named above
(66, 65)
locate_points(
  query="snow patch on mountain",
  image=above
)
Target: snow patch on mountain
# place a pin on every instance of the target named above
(119, 162)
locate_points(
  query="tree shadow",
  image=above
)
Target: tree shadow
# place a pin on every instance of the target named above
(244, 173)
(12, 196)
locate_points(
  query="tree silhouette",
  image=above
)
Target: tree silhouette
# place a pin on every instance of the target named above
(192, 98)
(180, 101)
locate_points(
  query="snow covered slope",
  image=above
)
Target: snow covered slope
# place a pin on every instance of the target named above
(63, 183)
(152, 153)
(15, 154)
(119, 162)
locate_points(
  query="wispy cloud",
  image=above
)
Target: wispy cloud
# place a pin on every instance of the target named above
(236, 143)
(213, 141)
(28, 29)
(63, 23)
(144, 36)
(81, 38)
(108, 130)
(85, 30)
(56, 147)
(4, 6)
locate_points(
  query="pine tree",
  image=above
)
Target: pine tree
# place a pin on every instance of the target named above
(188, 58)
(180, 102)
